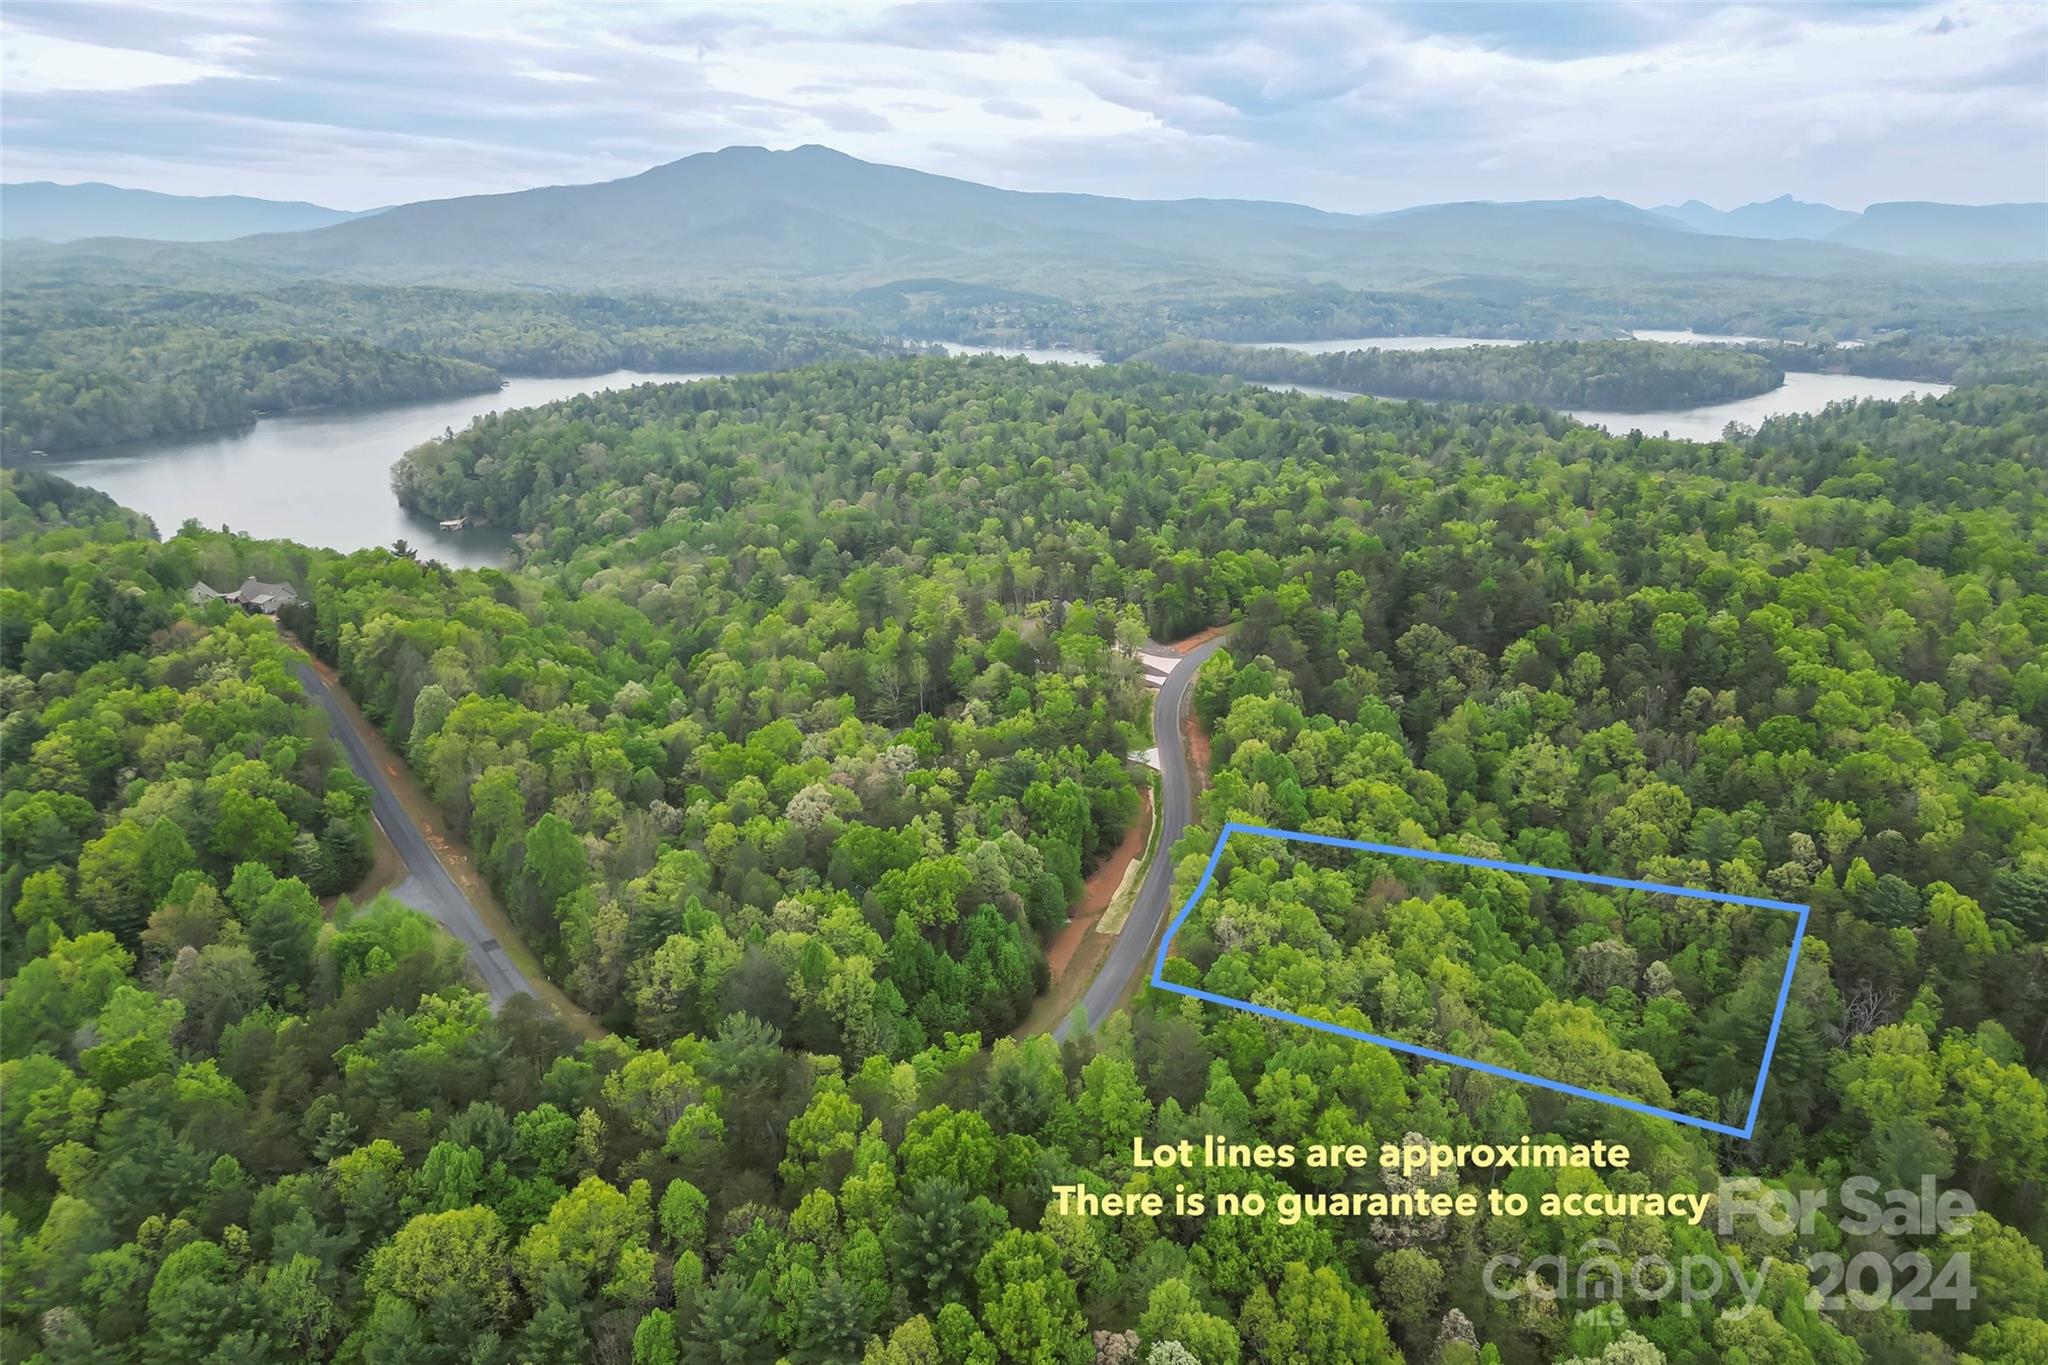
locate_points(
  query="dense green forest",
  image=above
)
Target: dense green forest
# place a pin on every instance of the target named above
(1626, 376)
(1923, 333)
(88, 366)
(1949, 359)
(1120, 328)
(786, 744)
(131, 383)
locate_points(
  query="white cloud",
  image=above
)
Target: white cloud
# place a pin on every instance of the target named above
(1735, 104)
(1346, 108)
(34, 63)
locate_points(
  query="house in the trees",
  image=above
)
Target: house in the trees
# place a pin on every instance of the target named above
(253, 595)
(268, 598)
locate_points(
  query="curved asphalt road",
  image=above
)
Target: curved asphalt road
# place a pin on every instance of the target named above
(427, 886)
(1134, 943)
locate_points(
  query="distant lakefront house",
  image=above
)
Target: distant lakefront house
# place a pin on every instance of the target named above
(253, 595)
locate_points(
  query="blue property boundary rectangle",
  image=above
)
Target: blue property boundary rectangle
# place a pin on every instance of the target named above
(1756, 1098)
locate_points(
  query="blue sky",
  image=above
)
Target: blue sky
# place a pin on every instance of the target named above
(1346, 108)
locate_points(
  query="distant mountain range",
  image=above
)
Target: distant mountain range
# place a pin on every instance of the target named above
(1954, 232)
(1971, 233)
(1779, 218)
(66, 213)
(816, 216)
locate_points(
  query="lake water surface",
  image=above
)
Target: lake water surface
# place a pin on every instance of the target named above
(1382, 344)
(320, 478)
(1038, 355)
(1692, 338)
(1799, 393)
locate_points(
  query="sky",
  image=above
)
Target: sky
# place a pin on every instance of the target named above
(1347, 108)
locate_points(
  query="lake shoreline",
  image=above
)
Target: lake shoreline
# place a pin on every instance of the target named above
(320, 478)
(323, 477)
(117, 448)
(1686, 424)
(505, 378)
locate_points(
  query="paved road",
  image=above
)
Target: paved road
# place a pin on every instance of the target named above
(427, 886)
(1131, 954)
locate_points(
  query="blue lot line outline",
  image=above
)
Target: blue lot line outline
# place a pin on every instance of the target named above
(1756, 1098)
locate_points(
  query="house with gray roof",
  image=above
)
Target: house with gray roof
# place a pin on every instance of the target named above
(268, 598)
(253, 595)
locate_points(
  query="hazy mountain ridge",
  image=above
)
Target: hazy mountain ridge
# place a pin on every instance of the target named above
(1961, 233)
(50, 212)
(812, 216)
(1955, 232)
(1777, 218)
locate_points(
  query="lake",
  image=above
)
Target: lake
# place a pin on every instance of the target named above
(1692, 338)
(320, 478)
(1315, 390)
(324, 478)
(1799, 393)
(1381, 344)
(1038, 355)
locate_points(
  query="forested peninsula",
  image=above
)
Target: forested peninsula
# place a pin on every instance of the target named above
(131, 386)
(86, 366)
(1623, 376)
